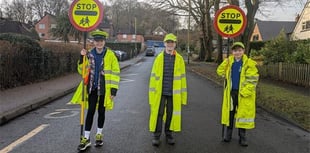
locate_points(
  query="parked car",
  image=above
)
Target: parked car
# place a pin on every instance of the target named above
(121, 55)
(150, 51)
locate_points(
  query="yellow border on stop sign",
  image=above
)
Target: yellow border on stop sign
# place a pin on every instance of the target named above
(227, 14)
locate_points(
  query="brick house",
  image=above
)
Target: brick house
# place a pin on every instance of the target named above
(124, 37)
(159, 31)
(44, 25)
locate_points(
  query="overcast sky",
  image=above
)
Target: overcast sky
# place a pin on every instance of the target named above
(284, 12)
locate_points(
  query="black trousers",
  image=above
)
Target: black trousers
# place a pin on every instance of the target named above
(234, 96)
(166, 101)
(92, 102)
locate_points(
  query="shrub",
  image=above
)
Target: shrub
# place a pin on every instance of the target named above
(257, 45)
(23, 61)
(59, 58)
(20, 60)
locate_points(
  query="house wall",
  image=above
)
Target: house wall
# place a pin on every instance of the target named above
(47, 21)
(256, 36)
(304, 20)
(129, 38)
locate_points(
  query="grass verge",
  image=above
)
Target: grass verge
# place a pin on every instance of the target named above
(292, 106)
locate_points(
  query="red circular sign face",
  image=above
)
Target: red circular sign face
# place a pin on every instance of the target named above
(230, 21)
(85, 15)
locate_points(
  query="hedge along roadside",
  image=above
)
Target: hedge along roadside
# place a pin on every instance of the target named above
(24, 60)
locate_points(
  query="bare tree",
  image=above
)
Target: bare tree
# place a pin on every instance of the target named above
(26, 11)
(199, 10)
(148, 18)
(219, 44)
(40, 7)
(18, 10)
(252, 7)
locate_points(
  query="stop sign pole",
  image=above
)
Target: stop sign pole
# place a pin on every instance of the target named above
(230, 22)
(85, 15)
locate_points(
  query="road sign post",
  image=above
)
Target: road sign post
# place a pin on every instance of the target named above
(85, 15)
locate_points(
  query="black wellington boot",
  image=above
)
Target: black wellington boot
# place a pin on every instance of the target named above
(228, 135)
(242, 138)
(170, 140)
(156, 141)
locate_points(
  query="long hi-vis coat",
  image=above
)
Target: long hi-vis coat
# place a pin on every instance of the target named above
(111, 72)
(179, 91)
(245, 116)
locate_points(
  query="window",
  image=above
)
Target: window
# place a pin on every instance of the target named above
(124, 36)
(255, 37)
(161, 33)
(306, 25)
(133, 36)
(53, 26)
(41, 26)
(41, 34)
(155, 32)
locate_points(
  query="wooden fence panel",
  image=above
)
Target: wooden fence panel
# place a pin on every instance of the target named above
(298, 74)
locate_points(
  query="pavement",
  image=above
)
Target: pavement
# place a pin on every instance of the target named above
(20, 100)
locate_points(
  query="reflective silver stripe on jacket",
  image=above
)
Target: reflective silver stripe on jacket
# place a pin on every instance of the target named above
(112, 82)
(176, 112)
(111, 72)
(245, 120)
(179, 91)
(251, 77)
(179, 77)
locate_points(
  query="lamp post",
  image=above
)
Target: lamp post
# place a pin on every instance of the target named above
(136, 50)
(188, 29)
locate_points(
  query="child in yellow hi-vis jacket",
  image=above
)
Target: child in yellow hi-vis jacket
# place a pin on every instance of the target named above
(241, 77)
(102, 83)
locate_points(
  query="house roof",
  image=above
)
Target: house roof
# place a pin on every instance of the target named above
(9, 26)
(159, 29)
(271, 29)
(45, 14)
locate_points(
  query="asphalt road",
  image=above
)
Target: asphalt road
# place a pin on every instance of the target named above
(55, 128)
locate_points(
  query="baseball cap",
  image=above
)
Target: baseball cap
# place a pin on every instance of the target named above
(171, 37)
(240, 44)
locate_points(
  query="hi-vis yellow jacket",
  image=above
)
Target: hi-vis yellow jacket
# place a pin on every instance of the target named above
(179, 91)
(111, 74)
(247, 92)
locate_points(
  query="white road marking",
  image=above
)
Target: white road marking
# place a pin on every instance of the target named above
(57, 113)
(126, 80)
(24, 138)
(129, 74)
(67, 109)
(138, 64)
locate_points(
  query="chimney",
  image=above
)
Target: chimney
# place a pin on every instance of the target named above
(297, 18)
